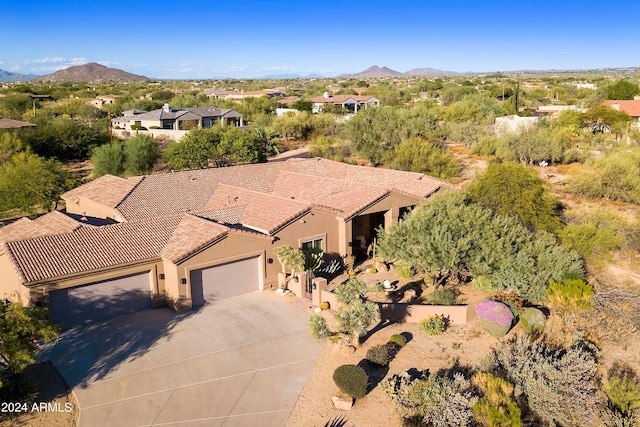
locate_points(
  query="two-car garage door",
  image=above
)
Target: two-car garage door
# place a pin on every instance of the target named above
(224, 281)
(100, 301)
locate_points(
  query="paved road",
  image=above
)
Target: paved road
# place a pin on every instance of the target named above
(237, 362)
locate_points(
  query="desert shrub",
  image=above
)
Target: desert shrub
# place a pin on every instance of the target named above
(351, 290)
(532, 319)
(403, 270)
(570, 294)
(351, 380)
(442, 296)
(495, 318)
(398, 340)
(559, 385)
(434, 401)
(433, 325)
(318, 327)
(594, 235)
(496, 408)
(613, 418)
(623, 392)
(379, 354)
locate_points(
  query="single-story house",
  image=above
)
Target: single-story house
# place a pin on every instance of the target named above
(188, 238)
(631, 107)
(348, 102)
(14, 124)
(177, 118)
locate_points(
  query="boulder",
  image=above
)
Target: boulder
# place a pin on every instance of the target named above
(495, 317)
(343, 402)
(532, 319)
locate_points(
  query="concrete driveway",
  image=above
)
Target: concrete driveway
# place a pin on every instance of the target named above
(237, 362)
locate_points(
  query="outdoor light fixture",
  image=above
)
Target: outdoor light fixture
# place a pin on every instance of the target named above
(183, 281)
(270, 260)
(161, 276)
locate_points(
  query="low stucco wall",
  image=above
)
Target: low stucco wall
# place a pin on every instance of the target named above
(412, 313)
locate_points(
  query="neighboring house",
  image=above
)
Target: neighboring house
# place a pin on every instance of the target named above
(14, 124)
(348, 102)
(554, 110)
(631, 107)
(177, 118)
(102, 100)
(242, 95)
(512, 124)
(188, 238)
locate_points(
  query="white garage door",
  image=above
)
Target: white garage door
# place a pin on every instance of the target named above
(100, 301)
(225, 281)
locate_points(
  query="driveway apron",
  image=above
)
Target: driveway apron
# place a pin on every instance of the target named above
(241, 361)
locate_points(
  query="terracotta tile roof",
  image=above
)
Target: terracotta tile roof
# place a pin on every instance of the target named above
(189, 191)
(14, 124)
(109, 190)
(90, 248)
(346, 197)
(262, 212)
(52, 223)
(227, 216)
(191, 234)
(412, 183)
(631, 107)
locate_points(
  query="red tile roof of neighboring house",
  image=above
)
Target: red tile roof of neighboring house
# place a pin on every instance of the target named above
(90, 248)
(631, 107)
(262, 212)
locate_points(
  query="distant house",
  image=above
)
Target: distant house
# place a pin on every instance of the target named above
(238, 96)
(554, 110)
(14, 124)
(177, 118)
(513, 124)
(347, 102)
(102, 100)
(631, 107)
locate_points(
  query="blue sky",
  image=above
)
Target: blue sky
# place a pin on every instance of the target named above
(197, 39)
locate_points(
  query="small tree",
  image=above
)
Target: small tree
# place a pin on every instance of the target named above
(355, 314)
(289, 257)
(108, 159)
(20, 329)
(140, 154)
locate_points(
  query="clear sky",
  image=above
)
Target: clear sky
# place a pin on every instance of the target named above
(198, 39)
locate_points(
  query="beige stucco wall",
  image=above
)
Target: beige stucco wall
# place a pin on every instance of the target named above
(10, 287)
(82, 206)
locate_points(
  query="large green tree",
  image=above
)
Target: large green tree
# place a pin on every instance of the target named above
(623, 89)
(514, 189)
(108, 159)
(140, 154)
(451, 239)
(31, 183)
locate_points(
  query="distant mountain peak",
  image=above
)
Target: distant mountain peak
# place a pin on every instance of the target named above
(375, 71)
(7, 76)
(91, 72)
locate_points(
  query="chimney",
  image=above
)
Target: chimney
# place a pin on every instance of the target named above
(166, 108)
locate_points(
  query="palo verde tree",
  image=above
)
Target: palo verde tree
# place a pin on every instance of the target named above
(32, 184)
(514, 189)
(454, 240)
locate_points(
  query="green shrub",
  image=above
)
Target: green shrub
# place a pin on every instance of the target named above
(570, 294)
(318, 327)
(532, 319)
(623, 393)
(511, 298)
(403, 270)
(379, 354)
(433, 325)
(496, 408)
(351, 380)
(442, 296)
(398, 340)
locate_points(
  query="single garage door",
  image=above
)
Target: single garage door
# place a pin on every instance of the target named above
(98, 301)
(224, 281)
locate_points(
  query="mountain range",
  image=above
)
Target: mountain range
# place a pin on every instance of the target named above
(6, 76)
(375, 71)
